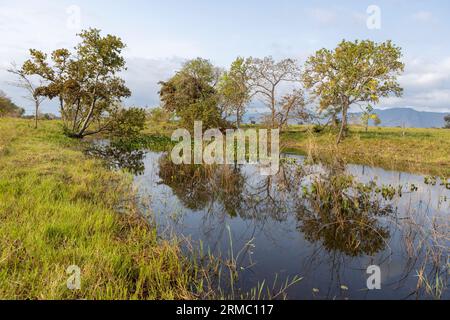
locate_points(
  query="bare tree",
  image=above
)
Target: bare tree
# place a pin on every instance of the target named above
(267, 76)
(23, 81)
(291, 107)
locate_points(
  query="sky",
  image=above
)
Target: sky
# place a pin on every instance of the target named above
(161, 35)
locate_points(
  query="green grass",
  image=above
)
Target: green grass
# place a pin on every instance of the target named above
(58, 208)
(423, 151)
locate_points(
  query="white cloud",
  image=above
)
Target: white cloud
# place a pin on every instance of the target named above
(143, 75)
(426, 86)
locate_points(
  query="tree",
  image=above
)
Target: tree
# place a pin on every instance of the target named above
(447, 122)
(9, 108)
(85, 82)
(354, 73)
(369, 114)
(235, 90)
(266, 78)
(31, 88)
(193, 96)
(127, 122)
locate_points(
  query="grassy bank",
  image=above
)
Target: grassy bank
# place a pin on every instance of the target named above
(58, 208)
(423, 151)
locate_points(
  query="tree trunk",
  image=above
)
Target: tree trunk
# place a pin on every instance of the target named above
(36, 105)
(87, 120)
(334, 122)
(238, 119)
(343, 124)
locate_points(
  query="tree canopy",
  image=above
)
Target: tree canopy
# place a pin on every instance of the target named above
(85, 82)
(353, 73)
(235, 88)
(192, 95)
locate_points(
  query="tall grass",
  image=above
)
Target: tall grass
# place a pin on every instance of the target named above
(59, 208)
(424, 151)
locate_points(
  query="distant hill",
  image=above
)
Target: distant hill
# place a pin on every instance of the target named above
(409, 118)
(397, 117)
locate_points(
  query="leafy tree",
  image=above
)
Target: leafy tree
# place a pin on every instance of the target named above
(127, 122)
(235, 90)
(192, 95)
(354, 73)
(85, 82)
(368, 115)
(266, 77)
(447, 122)
(8, 108)
(158, 116)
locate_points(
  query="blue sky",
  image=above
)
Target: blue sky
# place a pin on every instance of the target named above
(161, 34)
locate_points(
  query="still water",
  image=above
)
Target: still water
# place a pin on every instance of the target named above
(309, 221)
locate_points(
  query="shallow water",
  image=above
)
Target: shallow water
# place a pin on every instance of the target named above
(277, 228)
(236, 209)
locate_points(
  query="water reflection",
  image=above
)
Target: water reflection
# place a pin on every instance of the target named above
(198, 186)
(343, 214)
(325, 222)
(332, 208)
(119, 155)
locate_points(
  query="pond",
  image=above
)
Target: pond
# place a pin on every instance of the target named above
(310, 232)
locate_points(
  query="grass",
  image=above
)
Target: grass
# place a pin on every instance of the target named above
(59, 208)
(423, 151)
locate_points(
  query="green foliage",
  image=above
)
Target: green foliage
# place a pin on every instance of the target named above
(85, 82)
(192, 94)
(127, 122)
(354, 73)
(368, 115)
(235, 89)
(158, 115)
(8, 108)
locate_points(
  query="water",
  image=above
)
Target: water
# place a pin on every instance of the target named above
(276, 230)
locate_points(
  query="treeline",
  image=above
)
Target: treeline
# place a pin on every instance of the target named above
(87, 85)
(357, 73)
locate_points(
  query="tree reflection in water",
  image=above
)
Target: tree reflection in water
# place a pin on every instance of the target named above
(343, 214)
(119, 155)
(199, 186)
(330, 206)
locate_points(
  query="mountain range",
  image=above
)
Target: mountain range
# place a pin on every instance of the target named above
(409, 118)
(396, 117)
